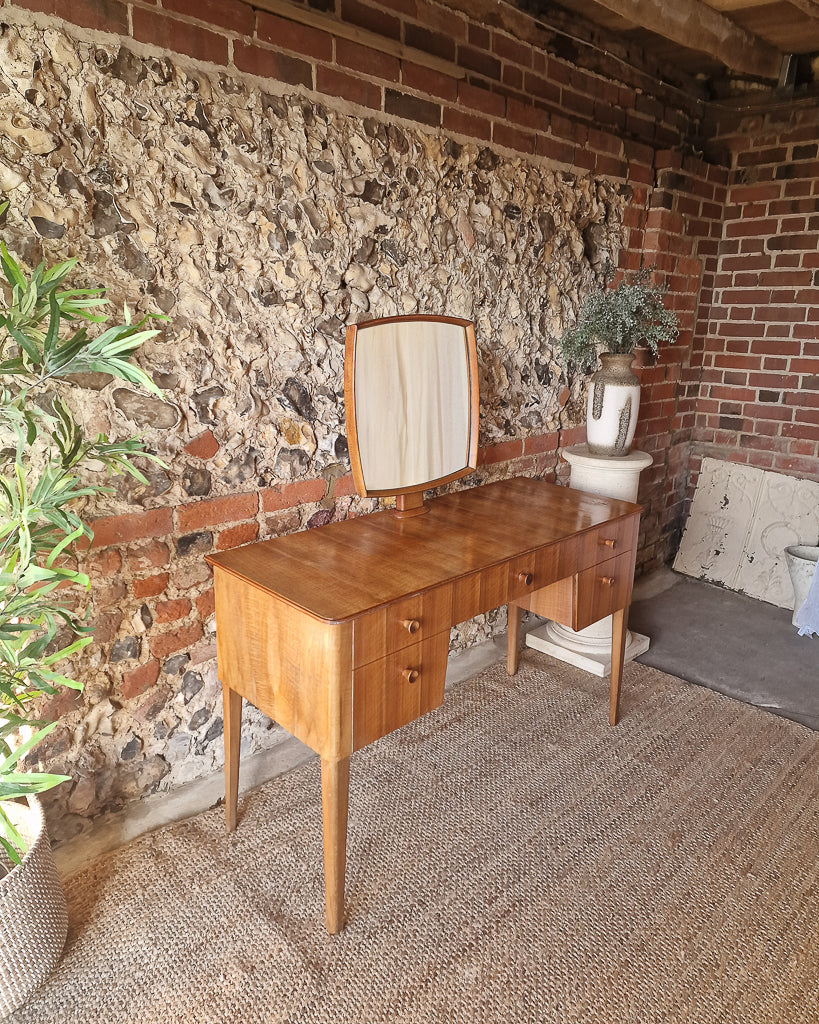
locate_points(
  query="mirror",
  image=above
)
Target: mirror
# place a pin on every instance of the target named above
(411, 399)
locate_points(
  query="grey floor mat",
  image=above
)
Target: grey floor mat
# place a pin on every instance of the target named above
(734, 644)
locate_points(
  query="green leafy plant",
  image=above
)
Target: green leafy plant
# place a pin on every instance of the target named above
(46, 463)
(620, 319)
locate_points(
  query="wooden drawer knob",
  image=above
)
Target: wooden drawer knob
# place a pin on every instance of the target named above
(411, 625)
(410, 674)
(526, 578)
(608, 542)
(607, 580)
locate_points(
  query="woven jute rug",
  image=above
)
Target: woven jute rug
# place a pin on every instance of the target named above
(511, 858)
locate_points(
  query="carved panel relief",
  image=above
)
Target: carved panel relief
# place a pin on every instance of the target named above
(714, 539)
(741, 521)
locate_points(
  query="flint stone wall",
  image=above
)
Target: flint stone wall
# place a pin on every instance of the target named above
(261, 225)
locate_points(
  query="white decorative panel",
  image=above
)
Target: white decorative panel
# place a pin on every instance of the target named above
(741, 521)
(714, 539)
(787, 512)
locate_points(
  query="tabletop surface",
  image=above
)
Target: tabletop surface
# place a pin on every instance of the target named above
(340, 571)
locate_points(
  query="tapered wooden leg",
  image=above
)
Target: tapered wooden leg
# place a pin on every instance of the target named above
(232, 714)
(335, 790)
(514, 616)
(619, 622)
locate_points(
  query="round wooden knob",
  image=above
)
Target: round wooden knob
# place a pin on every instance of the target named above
(609, 543)
(526, 578)
(411, 625)
(608, 580)
(410, 674)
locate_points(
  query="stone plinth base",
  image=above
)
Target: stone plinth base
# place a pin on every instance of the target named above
(596, 660)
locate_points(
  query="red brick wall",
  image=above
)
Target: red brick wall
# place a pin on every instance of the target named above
(678, 232)
(759, 399)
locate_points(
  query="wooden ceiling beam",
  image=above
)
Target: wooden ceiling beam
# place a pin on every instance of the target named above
(809, 7)
(694, 24)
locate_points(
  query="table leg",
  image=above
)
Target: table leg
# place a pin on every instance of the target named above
(335, 789)
(619, 621)
(232, 716)
(514, 616)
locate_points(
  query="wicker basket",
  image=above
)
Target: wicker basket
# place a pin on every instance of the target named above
(33, 918)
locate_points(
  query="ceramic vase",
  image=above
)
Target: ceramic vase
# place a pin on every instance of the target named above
(801, 560)
(614, 400)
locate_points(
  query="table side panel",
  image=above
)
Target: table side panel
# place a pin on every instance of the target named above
(555, 601)
(294, 668)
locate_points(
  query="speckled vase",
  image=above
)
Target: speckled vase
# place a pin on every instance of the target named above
(614, 400)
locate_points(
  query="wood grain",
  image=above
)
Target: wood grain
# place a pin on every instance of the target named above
(401, 624)
(232, 718)
(341, 634)
(399, 688)
(514, 617)
(352, 567)
(556, 601)
(335, 791)
(620, 631)
(602, 588)
(295, 668)
(619, 628)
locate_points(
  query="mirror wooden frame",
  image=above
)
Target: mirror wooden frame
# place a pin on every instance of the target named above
(409, 498)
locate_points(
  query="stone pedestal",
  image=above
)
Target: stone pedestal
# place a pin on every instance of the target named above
(590, 648)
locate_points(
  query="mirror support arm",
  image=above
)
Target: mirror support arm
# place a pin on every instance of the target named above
(410, 504)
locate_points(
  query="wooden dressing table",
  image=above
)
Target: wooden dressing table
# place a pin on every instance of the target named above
(341, 634)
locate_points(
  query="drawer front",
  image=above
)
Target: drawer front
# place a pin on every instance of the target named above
(396, 690)
(399, 625)
(479, 592)
(603, 589)
(526, 575)
(544, 567)
(606, 542)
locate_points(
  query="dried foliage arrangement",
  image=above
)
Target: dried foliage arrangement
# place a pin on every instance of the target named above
(620, 319)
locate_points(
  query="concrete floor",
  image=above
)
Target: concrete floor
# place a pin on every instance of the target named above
(741, 647)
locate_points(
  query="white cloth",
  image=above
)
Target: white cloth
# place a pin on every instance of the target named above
(806, 619)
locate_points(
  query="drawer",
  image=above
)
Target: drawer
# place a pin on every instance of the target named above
(606, 541)
(602, 589)
(401, 624)
(479, 592)
(587, 596)
(545, 566)
(526, 574)
(397, 689)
